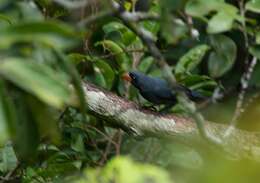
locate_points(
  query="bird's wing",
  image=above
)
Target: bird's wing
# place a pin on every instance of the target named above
(162, 90)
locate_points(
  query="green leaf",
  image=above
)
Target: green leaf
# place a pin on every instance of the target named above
(220, 22)
(145, 64)
(53, 27)
(104, 74)
(9, 160)
(38, 79)
(153, 27)
(5, 18)
(253, 5)
(217, 65)
(198, 82)
(127, 35)
(223, 57)
(199, 8)
(102, 68)
(77, 58)
(258, 37)
(43, 116)
(190, 60)
(52, 34)
(8, 114)
(203, 84)
(5, 114)
(127, 171)
(114, 26)
(30, 12)
(255, 51)
(117, 51)
(173, 29)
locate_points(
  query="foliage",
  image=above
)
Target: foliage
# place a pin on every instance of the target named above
(46, 50)
(123, 169)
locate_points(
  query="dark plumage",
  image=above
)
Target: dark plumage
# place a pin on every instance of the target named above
(156, 90)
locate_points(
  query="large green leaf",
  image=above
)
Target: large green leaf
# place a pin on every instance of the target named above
(199, 8)
(191, 59)
(104, 74)
(220, 22)
(146, 64)
(127, 171)
(204, 84)
(6, 19)
(117, 51)
(30, 12)
(102, 68)
(223, 57)
(38, 79)
(127, 35)
(173, 29)
(8, 114)
(45, 120)
(253, 5)
(53, 34)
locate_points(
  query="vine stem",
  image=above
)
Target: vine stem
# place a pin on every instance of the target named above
(239, 105)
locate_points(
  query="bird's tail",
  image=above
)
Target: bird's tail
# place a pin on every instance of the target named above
(192, 94)
(196, 96)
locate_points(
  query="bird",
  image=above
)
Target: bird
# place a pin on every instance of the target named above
(157, 90)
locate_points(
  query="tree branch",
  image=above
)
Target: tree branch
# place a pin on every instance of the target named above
(132, 118)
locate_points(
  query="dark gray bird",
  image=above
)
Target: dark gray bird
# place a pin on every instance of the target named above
(157, 90)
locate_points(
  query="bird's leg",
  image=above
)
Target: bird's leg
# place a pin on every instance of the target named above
(166, 109)
(148, 107)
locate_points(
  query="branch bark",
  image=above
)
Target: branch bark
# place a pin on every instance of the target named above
(140, 122)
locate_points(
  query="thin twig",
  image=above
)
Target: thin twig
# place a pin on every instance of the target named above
(119, 141)
(72, 5)
(104, 156)
(118, 53)
(108, 147)
(193, 32)
(100, 132)
(94, 18)
(140, 16)
(134, 17)
(245, 77)
(239, 105)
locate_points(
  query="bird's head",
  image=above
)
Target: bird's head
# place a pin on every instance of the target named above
(136, 78)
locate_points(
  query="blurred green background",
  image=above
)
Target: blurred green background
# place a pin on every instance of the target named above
(46, 131)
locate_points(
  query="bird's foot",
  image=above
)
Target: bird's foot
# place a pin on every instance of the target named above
(165, 109)
(150, 108)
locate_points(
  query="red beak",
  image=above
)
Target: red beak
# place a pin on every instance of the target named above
(126, 77)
